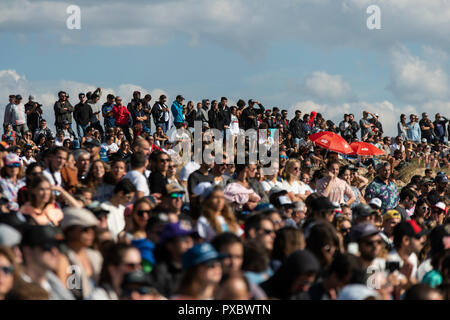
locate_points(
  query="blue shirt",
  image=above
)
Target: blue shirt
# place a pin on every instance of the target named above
(413, 132)
(110, 121)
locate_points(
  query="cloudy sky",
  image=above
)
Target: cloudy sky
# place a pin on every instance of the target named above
(295, 54)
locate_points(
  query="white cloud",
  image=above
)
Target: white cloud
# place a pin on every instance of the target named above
(324, 86)
(248, 26)
(415, 80)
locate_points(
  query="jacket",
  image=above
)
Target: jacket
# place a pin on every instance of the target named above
(82, 113)
(216, 119)
(61, 114)
(177, 111)
(295, 126)
(122, 115)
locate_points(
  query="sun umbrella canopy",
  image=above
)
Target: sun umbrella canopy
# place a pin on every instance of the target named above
(365, 149)
(331, 141)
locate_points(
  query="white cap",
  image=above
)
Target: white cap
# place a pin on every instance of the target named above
(9, 236)
(201, 188)
(441, 205)
(186, 171)
(284, 200)
(78, 217)
(377, 202)
(357, 292)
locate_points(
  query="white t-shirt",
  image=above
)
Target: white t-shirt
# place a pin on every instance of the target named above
(206, 231)
(115, 219)
(297, 187)
(56, 175)
(110, 147)
(394, 256)
(267, 185)
(27, 162)
(139, 181)
(234, 125)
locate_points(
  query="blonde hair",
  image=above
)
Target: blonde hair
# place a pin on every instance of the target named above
(226, 213)
(288, 176)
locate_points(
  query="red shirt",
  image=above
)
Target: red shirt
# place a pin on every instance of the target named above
(121, 114)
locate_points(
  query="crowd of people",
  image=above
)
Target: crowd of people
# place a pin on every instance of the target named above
(97, 211)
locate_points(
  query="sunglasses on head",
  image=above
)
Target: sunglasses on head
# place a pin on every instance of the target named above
(141, 213)
(176, 195)
(13, 165)
(7, 269)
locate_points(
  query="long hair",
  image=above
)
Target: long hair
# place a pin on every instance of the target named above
(33, 184)
(92, 181)
(289, 165)
(287, 240)
(113, 257)
(190, 284)
(20, 175)
(226, 213)
(132, 227)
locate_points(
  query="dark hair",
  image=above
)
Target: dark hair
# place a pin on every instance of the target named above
(256, 257)
(348, 268)
(320, 235)
(287, 240)
(254, 222)
(113, 257)
(138, 160)
(329, 164)
(419, 291)
(407, 193)
(225, 239)
(125, 186)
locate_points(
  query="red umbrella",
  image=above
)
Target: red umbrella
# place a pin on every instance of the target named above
(366, 149)
(331, 141)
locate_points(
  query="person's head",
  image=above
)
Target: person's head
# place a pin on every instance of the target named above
(176, 238)
(9, 272)
(142, 145)
(118, 169)
(408, 198)
(409, 237)
(137, 285)
(345, 174)
(343, 225)
(172, 171)
(438, 212)
(292, 169)
(390, 219)
(162, 162)
(138, 160)
(333, 167)
(202, 269)
(422, 291)
(384, 171)
(83, 160)
(142, 210)
(118, 100)
(173, 198)
(424, 115)
(260, 228)
(287, 240)
(119, 259)
(39, 248)
(230, 245)
(179, 99)
(12, 167)
(12, 98)
(62, 95)
(124, 191)
(319, 207)
(79, 226)
(125, 146)
(34, 169)
(323, 241)
(40, 190)
(298, 211)
(98, 170)
(368, 239)
(441, 182)
(422, 208)
(345, 268)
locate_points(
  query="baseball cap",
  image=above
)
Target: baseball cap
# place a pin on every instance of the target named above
(275, 190)
(12, 159)
(363, 230)
(376, 202)
(201, 188)
(362, 210)
(65, 122)
(98, 208)
(180, 97)
(40, 236)
(186, 171)
(408, 228)
(172, 188)
(173, 230)
(200, 253)
(31, 98)
(321, 204)
(78, 217)
(442, 178)
(391, 214)
(424, 140)
(18, 97)
(441, 206)
(9, 236)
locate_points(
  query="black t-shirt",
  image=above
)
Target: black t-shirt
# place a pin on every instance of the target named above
(157, 182)
(197, 177)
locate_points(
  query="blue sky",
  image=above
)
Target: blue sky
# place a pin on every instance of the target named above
(310, 55)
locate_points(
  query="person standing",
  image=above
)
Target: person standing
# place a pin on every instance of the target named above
(160, 113)
(107, 112)
(19, 116)
(402, 127)
(439, 127)
(226, 113)
(147, 110)
(177, 111)
(249, 115)
(63, 110)
(82, 114)
(34, 112)
(7, 119)
(93, 100)
(413, 132)
(122, 116)
(427, 128)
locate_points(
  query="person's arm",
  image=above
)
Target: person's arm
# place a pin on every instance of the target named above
(350, 195)
(67, 197)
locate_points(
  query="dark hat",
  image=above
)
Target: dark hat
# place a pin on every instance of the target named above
(40, 236)
(65, 122)
(363, 210)
(437, 236)
(19, 97)
(136, 277)
(363, 230)
(180, 97)
(173, 230)
(251, 101)
(441, 178)
(409, 228)
(200, 253)
(321, 204)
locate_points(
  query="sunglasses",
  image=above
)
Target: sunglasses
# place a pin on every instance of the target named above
(267, 231)
(141, 213)
(176, 195)
(425, 208)
(132, 266)
(7, 269)
(86, 229)
(164, 160)
(345, 230)
(284, 157)
(14, 165)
